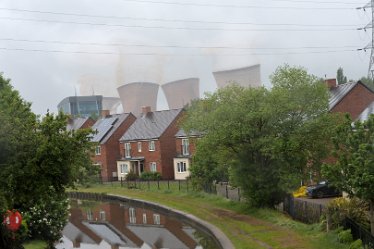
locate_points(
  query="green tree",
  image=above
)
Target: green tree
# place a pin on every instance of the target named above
(340, 76)
(353, 171)
(263, 139)
(368, 82)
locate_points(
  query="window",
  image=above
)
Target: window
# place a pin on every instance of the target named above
(144, 218)
(89, 214)
(102, 215)
(98, 150)
(127, 150)
(151, 146)
(132, 215)
(185, 147)
(182, 167)
(156, 219)
(124, 168)
(153, 167)
(139, 146)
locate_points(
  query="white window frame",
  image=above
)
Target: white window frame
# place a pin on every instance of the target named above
(185, 147)
(89, 214)
(127, 150)
(144, 218)
(132, 215)
(139, 146)
(98, 150)
(102, 215)
(153, 166)
(156, 219)
(181, 167)
(151, 145)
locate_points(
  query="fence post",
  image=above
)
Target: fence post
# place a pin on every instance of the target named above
(148, 184)
(121, 181)
(168, 185)
(227, 192)
(187, 184)
(158, 184)
(135, 183)
(239, 194)
(179, 185)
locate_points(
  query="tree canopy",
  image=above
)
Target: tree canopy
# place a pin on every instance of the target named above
(353, 171)
(264, 140)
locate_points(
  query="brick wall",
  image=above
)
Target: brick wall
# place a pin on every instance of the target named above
(355, 102)
(89, 123)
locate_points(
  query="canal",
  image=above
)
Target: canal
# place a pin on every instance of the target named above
(115, 224)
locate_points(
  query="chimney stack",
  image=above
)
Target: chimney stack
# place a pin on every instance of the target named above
(146, 110)
(105, 113)
(330, 83)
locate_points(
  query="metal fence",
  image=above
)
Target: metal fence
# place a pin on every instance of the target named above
(359, 232)
(302, 210)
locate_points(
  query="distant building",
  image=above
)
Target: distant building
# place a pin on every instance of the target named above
(246, 76)
(88, 106)
(181, 92)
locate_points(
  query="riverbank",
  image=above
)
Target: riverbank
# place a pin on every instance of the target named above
(245, 227)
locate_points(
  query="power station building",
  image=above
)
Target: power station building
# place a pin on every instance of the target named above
(246, 77)
(138, 94)
(181, 92)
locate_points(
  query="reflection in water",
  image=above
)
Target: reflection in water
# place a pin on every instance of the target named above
(116, 225)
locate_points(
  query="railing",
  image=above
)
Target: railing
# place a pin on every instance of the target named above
(359, 232)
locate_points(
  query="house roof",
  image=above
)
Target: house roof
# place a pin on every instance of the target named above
(182, 133)
(105, 127)
(151, 125)
(366, 113)
(339, 92)
(76, 123)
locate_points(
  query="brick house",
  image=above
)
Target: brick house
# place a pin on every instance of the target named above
(79, 123)
(186, 147)
(149, 144)
(351, 97)
(109, 130)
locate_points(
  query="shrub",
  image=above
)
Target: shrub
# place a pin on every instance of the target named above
(152, 176)
(357, 244)
(345, 236)
(131, 176)
(341, 208)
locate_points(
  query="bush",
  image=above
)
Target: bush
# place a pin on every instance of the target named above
(151, 176)
(131, 176)
(357, 244)
(345, 236)
(341, 208)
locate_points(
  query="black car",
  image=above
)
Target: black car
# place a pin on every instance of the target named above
(322, 189)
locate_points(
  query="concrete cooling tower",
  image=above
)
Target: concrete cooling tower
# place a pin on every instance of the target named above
(112, 104)
(181, 92)
(246, 77)
(138, 94)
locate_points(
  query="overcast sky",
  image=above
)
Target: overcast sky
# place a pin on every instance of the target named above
(54, 49)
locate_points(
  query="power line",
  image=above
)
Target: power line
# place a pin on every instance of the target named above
(167, 46)
(166, 27)
(236, 6)
(175, 20)
(163, 54)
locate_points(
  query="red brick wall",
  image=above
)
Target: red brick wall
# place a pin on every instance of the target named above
(355, 102)
(109, 151)
(88, 124)
(192, 145)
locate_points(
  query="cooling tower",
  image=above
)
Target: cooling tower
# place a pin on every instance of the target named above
(181, 92)
(246, 76)
(138, 94)
(111, 104)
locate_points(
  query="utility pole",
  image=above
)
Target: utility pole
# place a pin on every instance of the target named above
(371, 44)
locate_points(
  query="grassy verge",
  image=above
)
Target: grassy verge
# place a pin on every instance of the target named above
(245, 227)
(35, 245)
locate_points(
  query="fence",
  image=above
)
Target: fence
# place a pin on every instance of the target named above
(359, 233)
(228, 192)
(303, 211)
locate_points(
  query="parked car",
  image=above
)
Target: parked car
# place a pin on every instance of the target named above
(321, 190)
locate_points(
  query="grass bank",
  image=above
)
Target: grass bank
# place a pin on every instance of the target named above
(35, 245)
(245, 227)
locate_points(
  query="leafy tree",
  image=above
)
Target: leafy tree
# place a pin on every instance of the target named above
(263, 139)
(340, 76)
(353, 171)
(368, 82)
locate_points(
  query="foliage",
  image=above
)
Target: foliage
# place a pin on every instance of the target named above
(357, 244)
(368, 82)
(354, 170)
(131, 176)
(150, 176)
(345, 236)
(300, 192)
(340, 76)
(341, 208)
(47, 218)
(262, 139)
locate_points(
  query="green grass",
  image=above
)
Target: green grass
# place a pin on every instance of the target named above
(35, 245)
(245, 227)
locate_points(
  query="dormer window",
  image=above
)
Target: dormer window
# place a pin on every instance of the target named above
(127, 150)
(185, 147)
(98, 150)
(151, 145)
